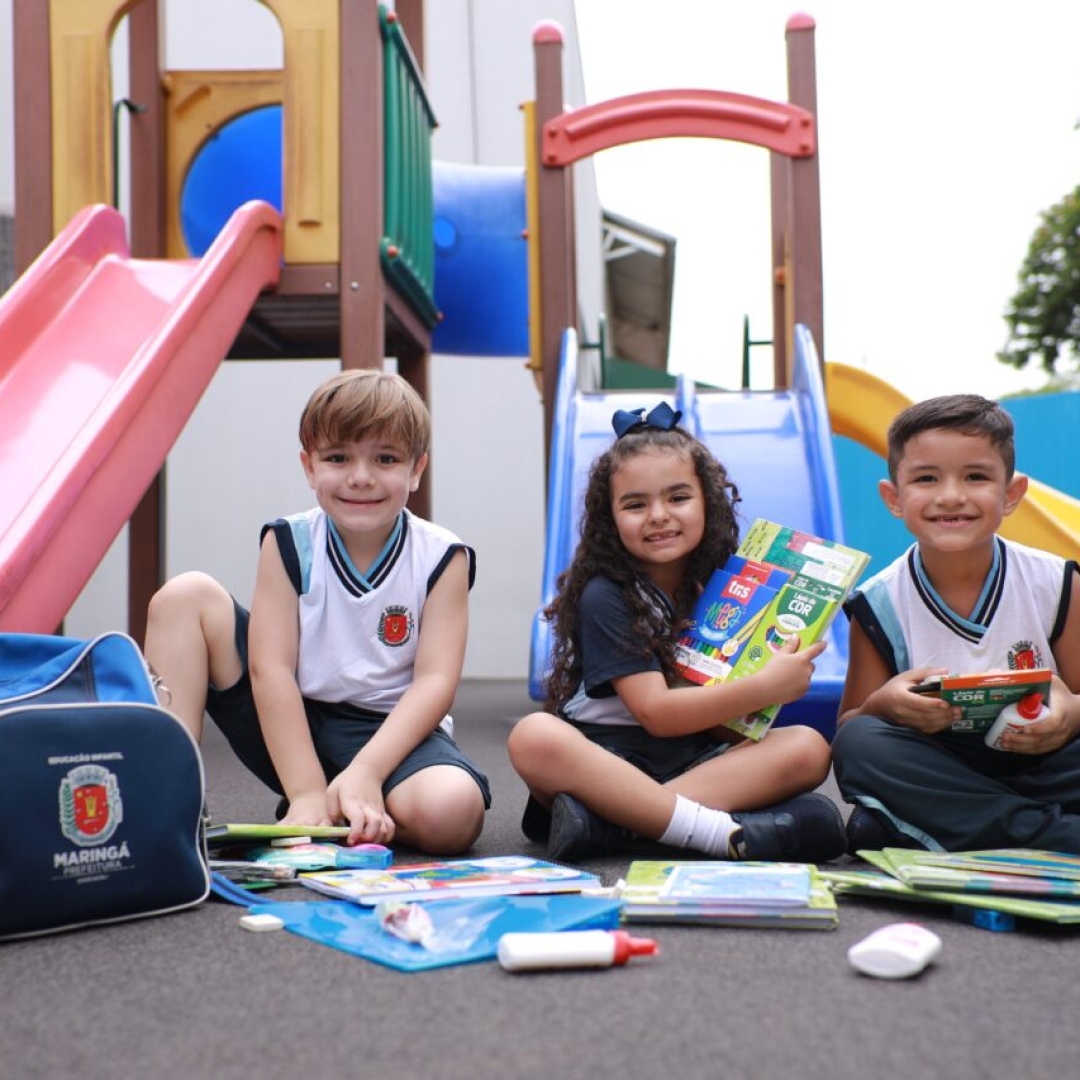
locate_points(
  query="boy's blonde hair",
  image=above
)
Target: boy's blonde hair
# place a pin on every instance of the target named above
(354, 405)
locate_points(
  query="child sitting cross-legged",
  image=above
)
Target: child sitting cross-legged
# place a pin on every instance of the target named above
(961, 600)
(623, 750)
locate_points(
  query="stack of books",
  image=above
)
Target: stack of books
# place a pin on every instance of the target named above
(267, 854)
(781, 583)
(778, 895)
(1041, 885)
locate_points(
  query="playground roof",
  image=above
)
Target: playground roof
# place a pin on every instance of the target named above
(639, 269)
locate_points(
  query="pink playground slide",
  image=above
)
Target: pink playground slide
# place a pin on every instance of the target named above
(103, 357)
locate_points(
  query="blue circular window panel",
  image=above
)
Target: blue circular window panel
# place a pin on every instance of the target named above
(239, 162)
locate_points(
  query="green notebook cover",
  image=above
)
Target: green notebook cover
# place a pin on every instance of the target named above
(1023, 861)
(883, 885)
(241, 833)
(932, 870)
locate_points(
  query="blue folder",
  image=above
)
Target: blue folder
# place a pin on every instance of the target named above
(466, 930)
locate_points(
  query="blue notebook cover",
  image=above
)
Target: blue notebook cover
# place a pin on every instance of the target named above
(735, 884)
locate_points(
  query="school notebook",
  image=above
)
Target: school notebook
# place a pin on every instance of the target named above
(1027, 861)
(778, 895)
(504, 875)
(931, 870)
(244, 833)
(883, 886)
(823, 573)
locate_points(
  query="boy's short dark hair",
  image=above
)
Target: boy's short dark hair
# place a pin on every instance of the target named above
(354, 405)
(969, 414)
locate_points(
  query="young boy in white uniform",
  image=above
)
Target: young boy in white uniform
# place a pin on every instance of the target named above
(961, 600)
(335, 691)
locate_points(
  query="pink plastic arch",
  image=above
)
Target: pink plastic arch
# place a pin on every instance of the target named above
(660, 114)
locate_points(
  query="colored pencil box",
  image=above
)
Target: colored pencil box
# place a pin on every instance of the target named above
(101, 789)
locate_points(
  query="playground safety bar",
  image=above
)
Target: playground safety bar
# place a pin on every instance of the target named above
(407, 250)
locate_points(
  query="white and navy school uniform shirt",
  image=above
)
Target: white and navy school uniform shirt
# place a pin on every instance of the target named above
(359, 631)
(1019, 614)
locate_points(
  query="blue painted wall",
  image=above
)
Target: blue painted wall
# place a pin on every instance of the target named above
(1048, 439)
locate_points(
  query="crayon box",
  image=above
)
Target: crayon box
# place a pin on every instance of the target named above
(725, 616)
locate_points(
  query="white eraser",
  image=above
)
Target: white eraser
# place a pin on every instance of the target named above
(289, 841)
(897, 951)
(261, 923)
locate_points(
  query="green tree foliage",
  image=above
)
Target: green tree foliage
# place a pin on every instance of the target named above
(1044, 315)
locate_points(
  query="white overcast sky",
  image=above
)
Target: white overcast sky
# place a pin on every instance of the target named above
(945, 128)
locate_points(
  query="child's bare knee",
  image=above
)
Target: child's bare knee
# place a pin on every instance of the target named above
(443, 815)
(455, 832)
(191, 591)
(446, 829)
(530, 737)
(811, 755)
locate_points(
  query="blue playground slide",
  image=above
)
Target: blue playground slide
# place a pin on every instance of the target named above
(777, 447)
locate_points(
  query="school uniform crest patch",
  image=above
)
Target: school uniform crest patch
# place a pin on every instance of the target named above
(90, 805)
(1024, 656)
(395, 625)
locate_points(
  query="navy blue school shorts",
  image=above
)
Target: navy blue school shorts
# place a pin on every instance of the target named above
(662, 759)
(339, 731)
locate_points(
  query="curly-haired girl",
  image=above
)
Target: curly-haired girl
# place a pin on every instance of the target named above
(624, 749)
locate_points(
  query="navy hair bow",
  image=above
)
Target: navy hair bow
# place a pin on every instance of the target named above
(662, 417)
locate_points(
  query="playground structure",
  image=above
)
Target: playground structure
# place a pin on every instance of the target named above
(338, 140)
(377, 252)
(356, 278)
(776, 444)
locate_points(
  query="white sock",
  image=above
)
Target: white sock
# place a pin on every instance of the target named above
(695, 826)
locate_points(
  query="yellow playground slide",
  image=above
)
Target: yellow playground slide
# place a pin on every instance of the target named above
(861, 406)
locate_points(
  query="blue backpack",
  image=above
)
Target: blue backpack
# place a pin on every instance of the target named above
(101, 789)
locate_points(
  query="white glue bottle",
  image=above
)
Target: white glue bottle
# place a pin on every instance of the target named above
(1026, 711)
(571, 949)
(897, 951)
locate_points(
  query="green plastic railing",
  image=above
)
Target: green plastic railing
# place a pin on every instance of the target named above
(407, 249)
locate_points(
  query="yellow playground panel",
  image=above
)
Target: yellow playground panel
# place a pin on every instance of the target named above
(198, 103)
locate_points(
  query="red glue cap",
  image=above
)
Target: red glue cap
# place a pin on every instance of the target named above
(627, 946)
(1028, 707)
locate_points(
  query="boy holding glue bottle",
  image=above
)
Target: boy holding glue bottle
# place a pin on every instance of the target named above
(961, 599)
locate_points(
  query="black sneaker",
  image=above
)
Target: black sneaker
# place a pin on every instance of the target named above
(808, 828)
(867, 831)
(576, 832)
(536, 822)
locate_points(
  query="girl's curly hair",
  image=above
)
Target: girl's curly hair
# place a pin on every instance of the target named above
(600, 553)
